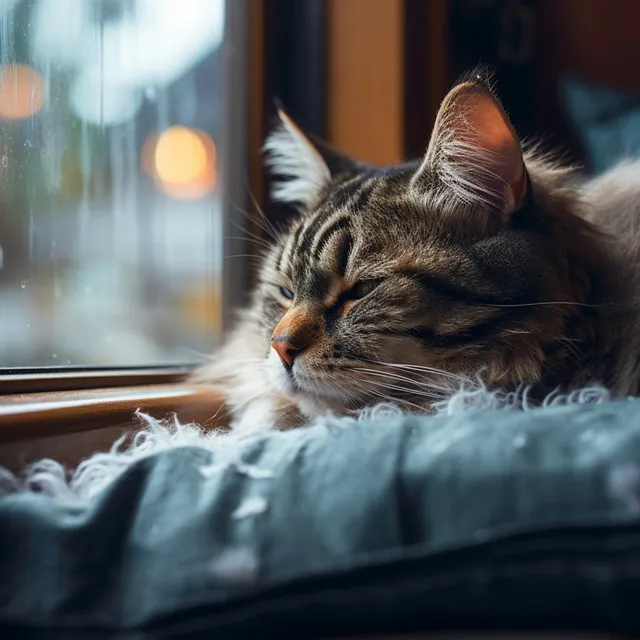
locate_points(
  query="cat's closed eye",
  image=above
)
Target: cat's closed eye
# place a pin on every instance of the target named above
(360, 289)
(286, 293)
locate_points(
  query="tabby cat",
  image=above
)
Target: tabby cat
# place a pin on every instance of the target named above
(481, 261)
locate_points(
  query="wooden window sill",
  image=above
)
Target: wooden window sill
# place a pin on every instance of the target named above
(31, 380)
(69, 425)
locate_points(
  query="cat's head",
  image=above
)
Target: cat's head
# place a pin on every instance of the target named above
(399, 282)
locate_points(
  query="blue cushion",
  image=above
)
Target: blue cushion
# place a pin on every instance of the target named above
(505, 520)
(607, 121)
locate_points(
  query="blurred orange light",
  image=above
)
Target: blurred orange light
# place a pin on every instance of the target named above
(21, 91)
(180, 156)
(182, 161)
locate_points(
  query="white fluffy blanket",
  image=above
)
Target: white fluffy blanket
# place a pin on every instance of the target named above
(95, 473)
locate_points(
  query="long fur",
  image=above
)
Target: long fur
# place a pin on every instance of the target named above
(299, 169)
(82, 485)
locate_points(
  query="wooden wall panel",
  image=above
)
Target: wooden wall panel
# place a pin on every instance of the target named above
(365, 78)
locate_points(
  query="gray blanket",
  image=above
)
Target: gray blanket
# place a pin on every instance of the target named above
(500, 520)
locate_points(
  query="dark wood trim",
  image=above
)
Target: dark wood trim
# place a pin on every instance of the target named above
(426, 69)
(24, 381)
(258, 191)
(67, 449)
(294, 72)
(295, 59)
(501, 35)
(37, 415)
(69, 426)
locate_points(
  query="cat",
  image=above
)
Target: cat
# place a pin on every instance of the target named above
(484, 260)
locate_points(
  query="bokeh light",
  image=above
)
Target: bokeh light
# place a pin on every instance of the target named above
(180, 156)
(21, 91)
(182, 161)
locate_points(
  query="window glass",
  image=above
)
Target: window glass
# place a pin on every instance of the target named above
(111, 125)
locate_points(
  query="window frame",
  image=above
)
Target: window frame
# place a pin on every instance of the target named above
(36, 380)
(77, 410)
(234, 154)
(241, 55)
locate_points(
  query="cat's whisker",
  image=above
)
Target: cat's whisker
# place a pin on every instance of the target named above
(258, 362)
(350, 401)
(364, 395)
(337, 387)
(416, 367)
(535, 304)
(396, 376)
(242, 255)
(214, 417)
(425, 369)
(572, 347)
(432, 388)
(219, 357)
(243, 229)
(268, 227)
(200, 354)
(393, 400)
(413, 392)
(248, 400)
(262, 244)
(402, 371)
(255, 364)
(247, 233)
(458, 379)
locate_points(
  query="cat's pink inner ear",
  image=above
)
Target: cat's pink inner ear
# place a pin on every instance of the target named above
(473, 135)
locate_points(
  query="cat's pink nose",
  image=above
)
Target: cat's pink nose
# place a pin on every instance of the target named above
(285, 350)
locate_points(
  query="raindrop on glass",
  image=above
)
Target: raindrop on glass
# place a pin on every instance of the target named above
(5, 161)
(23, 284)
(54, 356)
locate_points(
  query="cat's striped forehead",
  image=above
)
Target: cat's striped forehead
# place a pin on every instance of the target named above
(360, 217)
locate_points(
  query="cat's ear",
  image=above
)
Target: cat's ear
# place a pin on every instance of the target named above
(475, 151)
(301, 164)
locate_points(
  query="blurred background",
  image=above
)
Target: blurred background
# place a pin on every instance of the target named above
(130, 133)
(111, 114)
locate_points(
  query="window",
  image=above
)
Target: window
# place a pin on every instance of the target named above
(122, 179)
